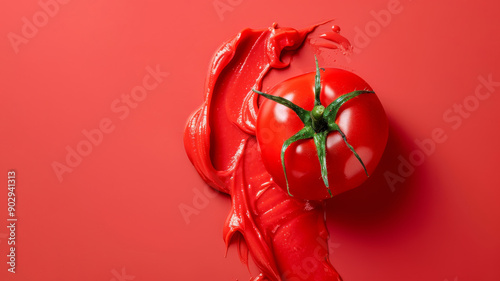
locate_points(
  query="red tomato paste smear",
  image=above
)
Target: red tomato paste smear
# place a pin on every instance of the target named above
(286, 237)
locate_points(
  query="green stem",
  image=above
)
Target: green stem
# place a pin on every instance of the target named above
(317, 118)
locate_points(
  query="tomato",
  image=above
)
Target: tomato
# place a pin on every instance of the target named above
(318, 162)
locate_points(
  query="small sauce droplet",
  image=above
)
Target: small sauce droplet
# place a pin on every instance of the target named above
(332, 40)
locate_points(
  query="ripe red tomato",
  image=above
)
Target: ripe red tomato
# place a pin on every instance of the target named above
(362, 119)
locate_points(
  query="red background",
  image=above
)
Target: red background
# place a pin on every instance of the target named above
(119, 208)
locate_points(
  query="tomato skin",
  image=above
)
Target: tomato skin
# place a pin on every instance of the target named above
(362, 119)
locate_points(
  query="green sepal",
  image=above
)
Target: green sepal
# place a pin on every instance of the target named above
(303, 114)
(352, 149)
(317, 84)
(306, 133)
(333, 108)
(320, 142)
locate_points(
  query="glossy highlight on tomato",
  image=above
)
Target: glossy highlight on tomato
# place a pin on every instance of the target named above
(362, 119)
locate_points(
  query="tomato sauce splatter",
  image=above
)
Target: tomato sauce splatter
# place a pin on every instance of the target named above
(286, 237)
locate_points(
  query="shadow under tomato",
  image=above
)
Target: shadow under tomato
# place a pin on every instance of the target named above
(377, 206)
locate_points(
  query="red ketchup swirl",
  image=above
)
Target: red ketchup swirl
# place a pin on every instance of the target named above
(286, 237)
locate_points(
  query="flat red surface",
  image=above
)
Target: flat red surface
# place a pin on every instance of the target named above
(66, 68)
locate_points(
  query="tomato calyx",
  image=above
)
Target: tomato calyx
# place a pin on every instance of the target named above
(318, 123)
